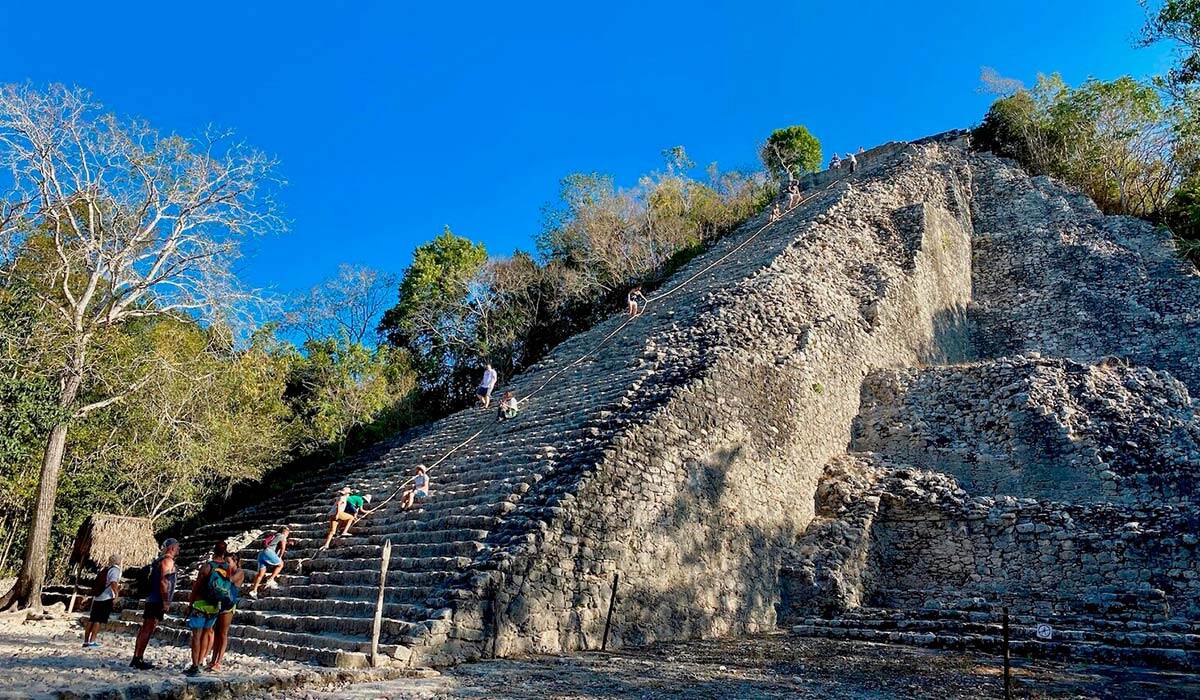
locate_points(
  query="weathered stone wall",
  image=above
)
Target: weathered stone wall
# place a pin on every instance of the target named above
(932, 545)
(1059, 477)
(1044, 428)
(713, 472)
(1053, 275)
(1039, 557)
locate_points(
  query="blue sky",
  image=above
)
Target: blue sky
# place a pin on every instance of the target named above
(393, 119)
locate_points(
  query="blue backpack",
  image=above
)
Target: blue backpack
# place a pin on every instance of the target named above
(221, 590)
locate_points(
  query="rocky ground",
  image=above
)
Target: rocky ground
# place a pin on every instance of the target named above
(43, 659)
(776, 666)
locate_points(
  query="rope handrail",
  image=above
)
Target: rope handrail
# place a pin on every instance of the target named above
(603, 341)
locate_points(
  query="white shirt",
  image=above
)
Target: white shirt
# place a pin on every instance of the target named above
(489, 378)
(114, 575)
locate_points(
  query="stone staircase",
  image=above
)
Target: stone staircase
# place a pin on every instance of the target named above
(492, 499)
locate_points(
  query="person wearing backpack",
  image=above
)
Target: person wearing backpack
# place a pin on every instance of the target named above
(162, 592)
(212, 593)
(274, 547)
(105, 591)
(221, 630)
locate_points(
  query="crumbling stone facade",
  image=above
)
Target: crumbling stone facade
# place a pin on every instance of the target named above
(1054, 474)
(1044, 428)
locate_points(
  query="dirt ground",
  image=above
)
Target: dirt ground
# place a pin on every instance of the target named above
(43, 659)
(776, 666)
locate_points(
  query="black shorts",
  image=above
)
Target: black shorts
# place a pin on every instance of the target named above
(154, 611)
(101, 611)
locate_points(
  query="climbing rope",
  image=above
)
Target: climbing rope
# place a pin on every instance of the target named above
(603, 341)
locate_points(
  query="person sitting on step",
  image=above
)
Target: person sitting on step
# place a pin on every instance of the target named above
(776, 213)
(271, 557)
(835, 162)
(344, 510)
(636, 301)
(420, 489)
(508, 407)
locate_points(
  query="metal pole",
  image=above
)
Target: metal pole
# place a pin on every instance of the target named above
(612, 603)
(383, 567)
(1007, 657)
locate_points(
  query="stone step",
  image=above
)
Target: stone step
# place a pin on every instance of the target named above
(410, 527)
(994, 616)
(371, 578)
(356, 558)
(180, 636)
(1114, 603)
(506, 472)
(350, 592)
(312, 518)
(325, 649)
(363, 557)
(324, 625)
(1091, 652)
(283, 603)
(497, 484)
(1174, 640)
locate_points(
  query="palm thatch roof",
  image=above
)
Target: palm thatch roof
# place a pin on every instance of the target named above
(103, 535)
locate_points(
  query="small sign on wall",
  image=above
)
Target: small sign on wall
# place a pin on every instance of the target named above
(1044, 631)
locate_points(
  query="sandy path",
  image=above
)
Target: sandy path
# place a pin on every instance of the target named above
(44, 659)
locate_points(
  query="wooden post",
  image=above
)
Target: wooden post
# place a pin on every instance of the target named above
(383, 567)
(612, 603)
(74, 589)
(495, 617)
(1007, 657)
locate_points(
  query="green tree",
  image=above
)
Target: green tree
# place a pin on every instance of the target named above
(1177, 21)
(1182, 216)
(1023, 126)
(1116, 140)
(790, 152)
(433, 317)
(28, 407)
(340, 387)
(140, 224)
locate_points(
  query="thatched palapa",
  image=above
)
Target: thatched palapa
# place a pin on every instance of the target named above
(103, 535)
